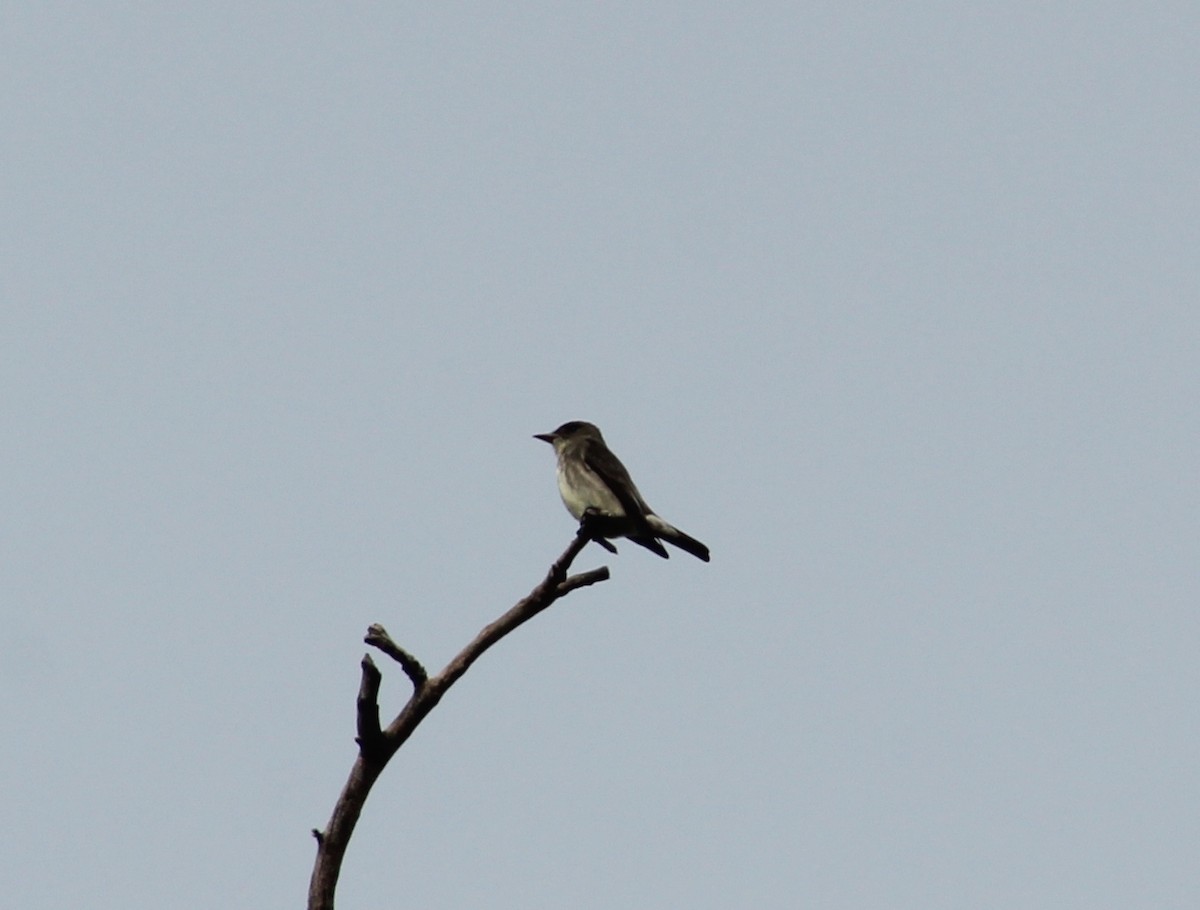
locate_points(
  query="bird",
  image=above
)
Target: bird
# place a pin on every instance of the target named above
(595, 487)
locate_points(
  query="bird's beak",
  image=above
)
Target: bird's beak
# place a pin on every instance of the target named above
(545, 437)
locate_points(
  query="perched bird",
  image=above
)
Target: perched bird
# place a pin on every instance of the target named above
(592, 481)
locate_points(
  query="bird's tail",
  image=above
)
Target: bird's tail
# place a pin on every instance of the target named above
(676, 537)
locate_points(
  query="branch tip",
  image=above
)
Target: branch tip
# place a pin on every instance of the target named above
(582, 580)
(377, 637)
(368, 705)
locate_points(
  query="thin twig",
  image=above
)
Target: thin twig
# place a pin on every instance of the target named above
(369, 730)
(377, 637)
(582, 580)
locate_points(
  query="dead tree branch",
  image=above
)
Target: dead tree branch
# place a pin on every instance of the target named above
(377, 745)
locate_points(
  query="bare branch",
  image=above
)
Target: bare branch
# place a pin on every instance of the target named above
(582, 580)
(369, 730)
(377, 637)
(377, 746)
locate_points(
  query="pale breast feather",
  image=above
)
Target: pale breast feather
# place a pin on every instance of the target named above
(585, 490)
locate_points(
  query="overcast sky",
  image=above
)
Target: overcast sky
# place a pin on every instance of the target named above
(894, 306)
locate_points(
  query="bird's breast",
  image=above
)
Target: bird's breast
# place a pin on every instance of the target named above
(581, 489)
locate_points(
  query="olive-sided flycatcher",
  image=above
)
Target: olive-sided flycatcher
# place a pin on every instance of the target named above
(591, 479)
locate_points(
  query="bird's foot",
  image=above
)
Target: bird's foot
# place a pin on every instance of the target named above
(589, 526)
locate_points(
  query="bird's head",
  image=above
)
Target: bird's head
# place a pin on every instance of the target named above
(569, 431)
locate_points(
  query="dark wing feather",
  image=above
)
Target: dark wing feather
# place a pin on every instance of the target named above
(650, 543)
(609, 469)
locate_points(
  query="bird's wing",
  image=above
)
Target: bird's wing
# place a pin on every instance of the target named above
(605, 465)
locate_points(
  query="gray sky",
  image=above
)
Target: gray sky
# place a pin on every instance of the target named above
(894, 307)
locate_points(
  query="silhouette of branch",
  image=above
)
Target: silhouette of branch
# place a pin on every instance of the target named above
(369, 731)
(377, 745)
(377, 637)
